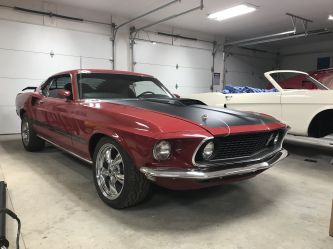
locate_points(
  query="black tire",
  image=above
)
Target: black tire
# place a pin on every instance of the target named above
(132, 188)
(29, 137)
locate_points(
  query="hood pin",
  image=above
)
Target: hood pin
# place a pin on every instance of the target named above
(204, 117)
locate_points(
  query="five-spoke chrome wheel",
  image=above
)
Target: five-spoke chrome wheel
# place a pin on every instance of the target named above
(25, 132)
(110, 171)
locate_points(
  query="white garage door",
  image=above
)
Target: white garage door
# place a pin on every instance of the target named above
(193, 74)
(25, 60)
(248, 70)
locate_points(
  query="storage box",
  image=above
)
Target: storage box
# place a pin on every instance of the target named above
(331, 225)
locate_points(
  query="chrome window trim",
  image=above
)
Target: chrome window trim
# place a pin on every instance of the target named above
(197, 149)
(65, 150)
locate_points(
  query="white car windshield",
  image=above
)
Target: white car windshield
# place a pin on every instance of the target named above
(294, 80)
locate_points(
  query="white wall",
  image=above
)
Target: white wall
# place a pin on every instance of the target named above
(247, 68)
(28, 39)
(304, 57)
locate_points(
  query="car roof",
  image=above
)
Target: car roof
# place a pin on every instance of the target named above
(77, 71)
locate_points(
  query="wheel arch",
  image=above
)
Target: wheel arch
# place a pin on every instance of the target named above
(93, 141)
(321, 116)
(22, 112)
(98, 135)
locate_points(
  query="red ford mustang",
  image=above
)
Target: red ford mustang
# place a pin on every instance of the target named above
(134, 132)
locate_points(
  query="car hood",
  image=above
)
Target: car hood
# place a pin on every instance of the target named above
(194, 111)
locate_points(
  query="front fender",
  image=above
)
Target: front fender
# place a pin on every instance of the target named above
(138, 148)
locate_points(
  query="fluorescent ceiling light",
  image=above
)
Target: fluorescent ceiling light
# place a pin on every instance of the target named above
(232, 12)
(330, 17)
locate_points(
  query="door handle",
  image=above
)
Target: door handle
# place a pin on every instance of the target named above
(228, 97)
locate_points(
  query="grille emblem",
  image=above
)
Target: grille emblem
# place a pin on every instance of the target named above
(204, 117)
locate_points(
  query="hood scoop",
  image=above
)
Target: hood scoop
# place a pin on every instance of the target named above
(177, 102)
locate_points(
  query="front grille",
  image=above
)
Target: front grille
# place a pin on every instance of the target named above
(240, 146)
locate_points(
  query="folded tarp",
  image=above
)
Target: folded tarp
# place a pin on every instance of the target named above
(246, 89)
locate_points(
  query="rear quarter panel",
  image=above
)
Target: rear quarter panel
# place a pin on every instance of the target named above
(22, 101)
(301, 106)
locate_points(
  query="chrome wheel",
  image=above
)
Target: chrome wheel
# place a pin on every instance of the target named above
(25, 132)
(110, 171)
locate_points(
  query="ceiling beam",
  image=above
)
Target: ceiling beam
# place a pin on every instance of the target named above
(147, 13)
(169, 18)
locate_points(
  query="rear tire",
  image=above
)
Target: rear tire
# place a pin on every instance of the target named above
(29, 137)
(118, 183)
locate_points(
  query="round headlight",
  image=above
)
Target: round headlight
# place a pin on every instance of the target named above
(208, 150)
(162, 150)
(276, 139)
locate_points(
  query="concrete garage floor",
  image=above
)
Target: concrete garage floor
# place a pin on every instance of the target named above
(288, 206)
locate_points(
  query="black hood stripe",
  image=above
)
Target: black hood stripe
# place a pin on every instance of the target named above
(200, 114)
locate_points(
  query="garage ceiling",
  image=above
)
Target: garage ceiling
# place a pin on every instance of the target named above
(270, 17)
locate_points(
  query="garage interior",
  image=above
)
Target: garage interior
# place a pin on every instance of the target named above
(288, 206)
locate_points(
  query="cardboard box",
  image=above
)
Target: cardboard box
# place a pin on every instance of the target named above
(331, 225)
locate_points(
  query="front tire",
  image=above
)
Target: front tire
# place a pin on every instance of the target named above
(30, 140)
(118, 183)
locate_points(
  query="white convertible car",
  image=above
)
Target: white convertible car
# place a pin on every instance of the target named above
(309, 112)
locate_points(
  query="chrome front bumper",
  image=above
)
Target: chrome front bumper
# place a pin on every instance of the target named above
(203, 174)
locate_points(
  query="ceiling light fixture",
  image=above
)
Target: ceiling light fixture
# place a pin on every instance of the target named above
(232, 12)
(330, 17)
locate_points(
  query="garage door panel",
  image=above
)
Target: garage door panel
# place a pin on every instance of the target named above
(96, 63)
(12, 124)
(193, 74)
(181, 81)
(20, 64)
(166, 74)
(247, 70)
(187, 90)
(145, 52)
(29, 37)
(25, 59)
(11, 87)
(197, 58)
(239, 78)
(195, 77)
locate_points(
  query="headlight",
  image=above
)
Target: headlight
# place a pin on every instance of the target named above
(162, 150)
(276, 139)
(208, 151)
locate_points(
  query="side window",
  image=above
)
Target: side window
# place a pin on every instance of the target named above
(45, 88)
(58, 83)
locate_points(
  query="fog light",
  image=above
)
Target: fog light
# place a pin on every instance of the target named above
(162, 150)
(208, 151)
(276, 139)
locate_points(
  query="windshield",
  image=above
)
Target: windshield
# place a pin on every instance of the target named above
(110, 86)
(292, 80)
